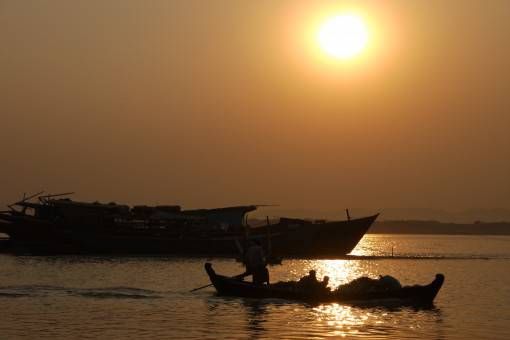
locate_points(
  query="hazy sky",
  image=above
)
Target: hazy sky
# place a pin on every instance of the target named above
(211, 103)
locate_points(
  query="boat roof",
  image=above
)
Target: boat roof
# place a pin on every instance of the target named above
(95, 205)
(233, 215)
(241, 208)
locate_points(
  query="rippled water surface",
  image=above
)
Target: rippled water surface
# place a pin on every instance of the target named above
(94, 297)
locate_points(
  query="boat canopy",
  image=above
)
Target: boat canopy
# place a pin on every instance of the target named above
(231, 216)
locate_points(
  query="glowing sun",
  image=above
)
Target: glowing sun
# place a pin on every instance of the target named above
(343, 36)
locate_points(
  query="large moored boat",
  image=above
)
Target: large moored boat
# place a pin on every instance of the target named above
(51, 224)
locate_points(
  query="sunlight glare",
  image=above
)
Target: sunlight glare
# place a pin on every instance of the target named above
(343, 36)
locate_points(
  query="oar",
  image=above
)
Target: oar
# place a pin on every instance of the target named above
(194, 290)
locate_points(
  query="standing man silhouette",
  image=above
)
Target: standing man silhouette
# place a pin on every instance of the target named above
(255, 262)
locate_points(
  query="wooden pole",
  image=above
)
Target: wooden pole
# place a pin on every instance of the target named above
(268, 237)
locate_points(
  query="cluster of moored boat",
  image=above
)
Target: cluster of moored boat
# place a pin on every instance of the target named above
(51, 224)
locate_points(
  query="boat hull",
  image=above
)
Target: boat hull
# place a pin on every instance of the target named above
(410, 295)
(321, 240)
(309, 240)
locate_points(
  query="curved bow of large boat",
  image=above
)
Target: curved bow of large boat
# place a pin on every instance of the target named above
(368, 220)
(373, 217)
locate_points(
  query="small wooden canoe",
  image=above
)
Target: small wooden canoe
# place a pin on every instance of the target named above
(419, 295)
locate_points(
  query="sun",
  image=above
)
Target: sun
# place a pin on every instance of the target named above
(343, 36)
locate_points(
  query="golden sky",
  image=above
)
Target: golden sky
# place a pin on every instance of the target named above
(211, 103)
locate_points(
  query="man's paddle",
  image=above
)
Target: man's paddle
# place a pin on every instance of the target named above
(193, 290)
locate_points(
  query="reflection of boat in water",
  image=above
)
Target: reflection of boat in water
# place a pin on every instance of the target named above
(407, 295)
(53, 225)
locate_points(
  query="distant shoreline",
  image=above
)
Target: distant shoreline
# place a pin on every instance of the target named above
(439, 228)
(425, 227)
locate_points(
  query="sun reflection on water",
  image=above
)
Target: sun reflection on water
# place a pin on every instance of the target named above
(339, 271)
(341, 318)
(375, 245)
(346, 321)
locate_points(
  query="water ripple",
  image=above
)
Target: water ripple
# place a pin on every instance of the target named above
(109, 292)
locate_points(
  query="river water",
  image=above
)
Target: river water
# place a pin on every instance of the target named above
(105, 297)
